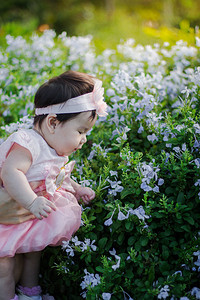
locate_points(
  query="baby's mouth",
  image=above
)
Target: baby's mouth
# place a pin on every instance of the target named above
(78, 148)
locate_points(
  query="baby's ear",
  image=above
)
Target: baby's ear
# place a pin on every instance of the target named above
(51, 121)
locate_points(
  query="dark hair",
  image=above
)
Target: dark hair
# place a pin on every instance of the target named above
(59, 89)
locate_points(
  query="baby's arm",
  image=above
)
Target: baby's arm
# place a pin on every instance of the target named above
(85, 193)
(1, 182)
(13, 176)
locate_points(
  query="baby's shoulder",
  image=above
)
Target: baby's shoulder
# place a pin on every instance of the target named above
(24, 138)
(28, 139)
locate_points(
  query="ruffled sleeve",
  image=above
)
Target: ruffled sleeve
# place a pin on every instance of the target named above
(24, 138)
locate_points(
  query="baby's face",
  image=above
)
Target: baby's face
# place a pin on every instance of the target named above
(71, 136)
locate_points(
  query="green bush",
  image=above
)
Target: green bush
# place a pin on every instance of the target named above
(139, 239)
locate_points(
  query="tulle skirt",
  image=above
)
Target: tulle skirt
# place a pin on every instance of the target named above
(35, 235)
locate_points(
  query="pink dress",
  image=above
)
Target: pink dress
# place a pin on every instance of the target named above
(47, 167)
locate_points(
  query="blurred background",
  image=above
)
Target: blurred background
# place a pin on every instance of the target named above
(110, 21)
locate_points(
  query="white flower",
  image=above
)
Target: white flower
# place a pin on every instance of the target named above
(116, 187)
(178, 272)
(177, 149)
(179, 127)
(68, 249)
(184, 147)
(141, 129)
(197, 162)
(156, 189)
(114, 267)
(197, 41)
(160, 181)
(197, 182)
(113, 251)
(164, 292)
(168, 145)
(195, 292)
(118, 258)
(110, 92)
(113, 173)
(90, 280)
(197, 128)
(197, 253)
(121, 216)
(87, 243)
(140, 213)
(146, 187)
(76, 241)
(106, 296)
(108, 222)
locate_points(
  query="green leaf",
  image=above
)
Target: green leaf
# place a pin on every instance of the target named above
(144, 241)
(100, 269)
(129, 273)
(108, 245)
(137, 246)
(158, 215)
(120, 238)
(129, 225)
(131, 240)
(169, 190)
(165, 252)
(186, 228)
(99, 227)
(88, 258)
(164, 267)
(102, 242)
(126, 192)
(166, 232)
(178, 216)
(189, 220)
(180, 198)
(151, 276)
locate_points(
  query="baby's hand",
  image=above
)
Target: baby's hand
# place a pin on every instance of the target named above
(86, 194)
(41, 207)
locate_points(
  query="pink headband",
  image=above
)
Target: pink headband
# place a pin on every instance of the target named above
(89, 101)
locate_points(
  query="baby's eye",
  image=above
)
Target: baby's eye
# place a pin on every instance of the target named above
(80, 132)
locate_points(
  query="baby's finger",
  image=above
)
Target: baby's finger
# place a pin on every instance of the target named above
(87, 200)
(44, 214)
(92, 196)
(84, 199)
(38, 216)
(47, 209)
(51, 204)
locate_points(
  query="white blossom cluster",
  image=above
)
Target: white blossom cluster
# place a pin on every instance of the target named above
(89, 280)
(79, 50)
(197, 262)
(139, 212)
(149, 174)
(74, 244)
(96, 148)
(195, 291)
(25, 123)
(118, 259)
